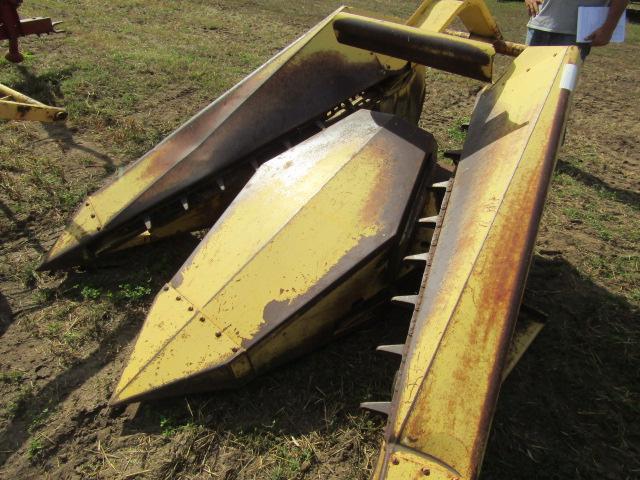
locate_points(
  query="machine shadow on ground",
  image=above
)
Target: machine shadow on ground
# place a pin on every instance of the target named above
(549, 407)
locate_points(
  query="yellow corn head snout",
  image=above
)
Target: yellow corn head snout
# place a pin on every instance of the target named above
(322, 217)
(315, 183)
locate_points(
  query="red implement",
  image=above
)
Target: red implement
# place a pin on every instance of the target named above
(12, 27)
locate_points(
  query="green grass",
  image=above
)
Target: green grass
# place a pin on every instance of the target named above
(457, 133)
(11, 377)
(35, 448)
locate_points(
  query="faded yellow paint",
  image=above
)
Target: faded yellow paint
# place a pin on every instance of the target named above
(34, 113)
(264, 207)
(521, 99)
(407, 464)
(17, 106)
(112, 199)
(297, 220)
(301, 213)
(85, 222)
(437, 15)
(324, 315)
(171, 326)
(448, 385)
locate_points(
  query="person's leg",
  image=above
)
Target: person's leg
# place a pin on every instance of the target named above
(537, 38)
(540, 38)
(561, 39)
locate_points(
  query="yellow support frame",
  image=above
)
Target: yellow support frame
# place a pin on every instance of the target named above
(17, 106)
(461, 330)
(437, 15)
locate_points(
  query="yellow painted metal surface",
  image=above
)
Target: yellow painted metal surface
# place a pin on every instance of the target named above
(311, 233)
(161, 164)
(437, 15)
(525, 333)
(450, 379)
(17, 106)
(187, 156)
(313, 215)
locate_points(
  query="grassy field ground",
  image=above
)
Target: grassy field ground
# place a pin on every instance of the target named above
(129, 72)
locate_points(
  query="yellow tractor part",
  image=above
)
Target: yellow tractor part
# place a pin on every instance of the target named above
(17, 106)
(324, 217)
(454, 358)
(322, 77)
(437, 15)
(316, 234)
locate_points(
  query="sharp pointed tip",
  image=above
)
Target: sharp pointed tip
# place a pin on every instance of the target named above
(428, 220)
(115, 401)
(380, 407)
(128, 391)
(178, 350)
(406, 299)
(395, 349)
(60, 258)
(70, 247)
(444, 184)
(117, 398)
(420, 257)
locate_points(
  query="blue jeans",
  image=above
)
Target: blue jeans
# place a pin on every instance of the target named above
(540, 38)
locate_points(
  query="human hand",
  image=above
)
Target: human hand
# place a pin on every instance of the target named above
(600, 37)
(533, 7)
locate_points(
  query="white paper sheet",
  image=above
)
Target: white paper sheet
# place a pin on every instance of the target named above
(592, 18)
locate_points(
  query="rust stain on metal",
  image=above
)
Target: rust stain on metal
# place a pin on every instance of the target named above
(264, 112)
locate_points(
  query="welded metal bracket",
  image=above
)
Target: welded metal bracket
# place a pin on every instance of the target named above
(530, 323)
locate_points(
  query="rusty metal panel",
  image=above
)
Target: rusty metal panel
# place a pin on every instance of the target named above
(298, 86)
(310, 233)
(462, 325)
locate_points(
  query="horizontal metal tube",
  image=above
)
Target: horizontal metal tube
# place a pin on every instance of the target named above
(432, 49)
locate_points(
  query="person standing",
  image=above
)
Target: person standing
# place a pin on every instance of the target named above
(555, 22)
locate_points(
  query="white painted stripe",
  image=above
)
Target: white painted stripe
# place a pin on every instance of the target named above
(569, 77)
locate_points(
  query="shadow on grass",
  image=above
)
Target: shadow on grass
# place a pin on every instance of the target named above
(314, 392)
(566, 411)
(6, 315)
(153, 265)
(16, 433)
(22, 227)
(570, 409)
(628, 197)
(46, 88)
(61, 133)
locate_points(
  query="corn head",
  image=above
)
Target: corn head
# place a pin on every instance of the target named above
(319, 191)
